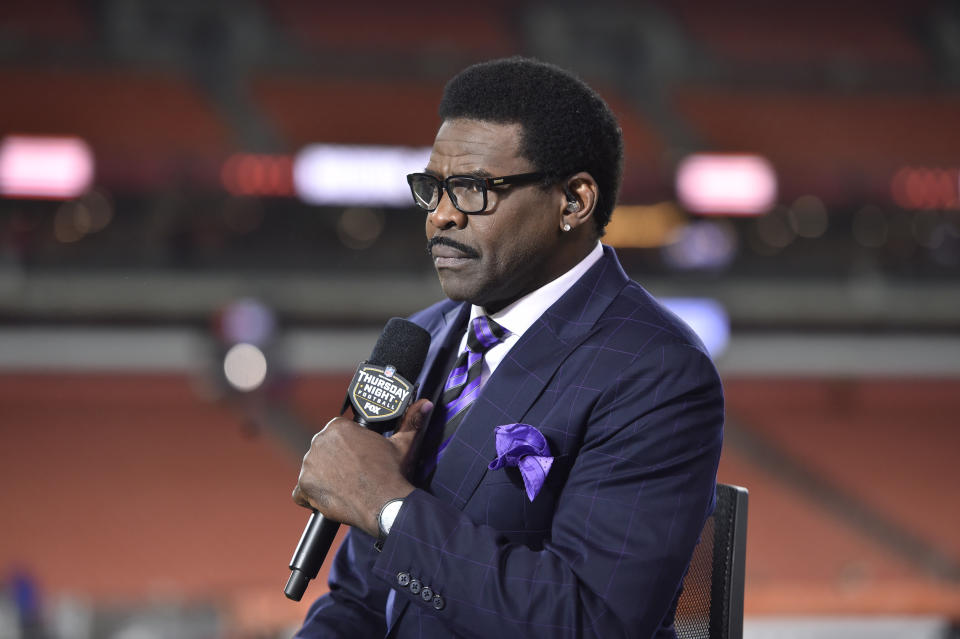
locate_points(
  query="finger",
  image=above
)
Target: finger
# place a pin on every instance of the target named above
(299, 498)
(415, 419)
(321, 431)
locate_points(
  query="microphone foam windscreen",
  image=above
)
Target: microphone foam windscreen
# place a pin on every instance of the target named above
(403, 345)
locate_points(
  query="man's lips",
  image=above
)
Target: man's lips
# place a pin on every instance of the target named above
(447, 252)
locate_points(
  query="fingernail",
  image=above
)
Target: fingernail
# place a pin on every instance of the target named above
(426, 408)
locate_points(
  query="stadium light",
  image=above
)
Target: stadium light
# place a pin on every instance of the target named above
(339, 175)
(57, 168)
(726, 184)
(245, 367)
(258, 174)
(926, 188)
(645, 226)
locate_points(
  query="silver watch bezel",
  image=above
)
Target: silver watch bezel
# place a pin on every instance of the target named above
(387, 515)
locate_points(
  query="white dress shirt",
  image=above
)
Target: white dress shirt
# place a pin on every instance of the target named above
(521, 315)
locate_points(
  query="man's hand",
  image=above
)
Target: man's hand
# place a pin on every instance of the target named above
(350, 472)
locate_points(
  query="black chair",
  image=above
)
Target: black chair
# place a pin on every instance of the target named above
(711, 606)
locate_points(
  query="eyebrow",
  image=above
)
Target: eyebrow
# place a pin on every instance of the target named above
(478, 173)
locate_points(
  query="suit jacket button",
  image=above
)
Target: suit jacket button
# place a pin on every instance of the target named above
(403, 578)
(415, 586)
(427, 593)
(438, 602)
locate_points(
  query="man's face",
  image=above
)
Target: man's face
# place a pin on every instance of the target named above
(494, 257)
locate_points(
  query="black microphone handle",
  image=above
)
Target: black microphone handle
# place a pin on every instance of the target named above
(312, 549)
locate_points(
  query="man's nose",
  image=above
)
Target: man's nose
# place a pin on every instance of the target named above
(446, 215)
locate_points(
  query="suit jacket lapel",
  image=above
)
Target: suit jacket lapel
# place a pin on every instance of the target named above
(443, 329)
(521, 377)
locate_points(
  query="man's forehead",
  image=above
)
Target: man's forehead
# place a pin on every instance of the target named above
(466, 146)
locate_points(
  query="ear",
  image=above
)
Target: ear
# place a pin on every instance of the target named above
(580, 193)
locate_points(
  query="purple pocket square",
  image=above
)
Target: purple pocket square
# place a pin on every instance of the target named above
(525, 447)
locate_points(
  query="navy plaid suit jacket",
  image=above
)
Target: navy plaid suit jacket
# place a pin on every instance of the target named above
(632, 408)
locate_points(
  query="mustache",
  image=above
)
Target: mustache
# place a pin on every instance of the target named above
(446, 241)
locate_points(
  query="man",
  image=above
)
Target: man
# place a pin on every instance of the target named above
(560, 487)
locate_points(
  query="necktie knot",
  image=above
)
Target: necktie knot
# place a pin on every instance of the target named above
(484, 334)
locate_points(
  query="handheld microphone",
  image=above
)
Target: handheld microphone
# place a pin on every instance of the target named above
(379, 394)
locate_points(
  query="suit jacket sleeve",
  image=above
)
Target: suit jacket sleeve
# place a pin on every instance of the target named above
(626, 518)
(354, 607)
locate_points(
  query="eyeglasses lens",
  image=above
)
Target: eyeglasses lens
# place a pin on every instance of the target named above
(426, 191)
(467, 194)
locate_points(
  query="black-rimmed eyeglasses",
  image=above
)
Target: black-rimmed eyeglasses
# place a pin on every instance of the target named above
(468, 193)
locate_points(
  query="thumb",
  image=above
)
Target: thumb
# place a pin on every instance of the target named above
(416, 417)
(408, 435)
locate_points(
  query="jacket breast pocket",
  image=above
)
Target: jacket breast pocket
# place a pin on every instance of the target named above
(501, 502)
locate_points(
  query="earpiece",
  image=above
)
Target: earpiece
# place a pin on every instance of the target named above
(572, 204)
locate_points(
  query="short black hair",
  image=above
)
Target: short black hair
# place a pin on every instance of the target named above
(567, 127)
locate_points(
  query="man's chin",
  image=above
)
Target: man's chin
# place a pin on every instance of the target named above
(456, 289)
(455, 293)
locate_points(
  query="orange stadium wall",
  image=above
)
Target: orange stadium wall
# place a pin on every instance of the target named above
(125, 488)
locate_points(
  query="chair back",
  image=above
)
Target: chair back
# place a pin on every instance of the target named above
(711, 604)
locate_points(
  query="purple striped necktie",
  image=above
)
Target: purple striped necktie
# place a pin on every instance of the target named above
(463, 384)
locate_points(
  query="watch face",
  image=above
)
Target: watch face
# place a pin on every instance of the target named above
(387, 514)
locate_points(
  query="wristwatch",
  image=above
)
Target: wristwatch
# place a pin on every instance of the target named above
(385, 519)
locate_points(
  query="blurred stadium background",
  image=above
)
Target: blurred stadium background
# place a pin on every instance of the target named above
(200, 236)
